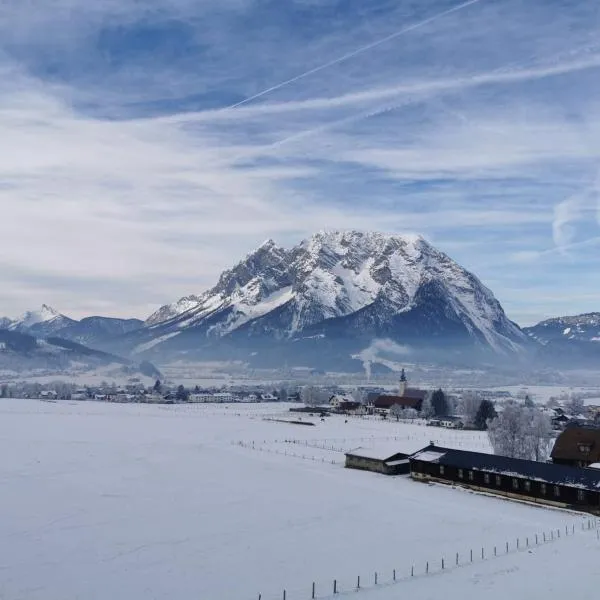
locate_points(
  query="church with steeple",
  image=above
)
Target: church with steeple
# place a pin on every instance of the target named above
(406, 398)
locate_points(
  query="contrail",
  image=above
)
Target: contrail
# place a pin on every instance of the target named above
(354, 53)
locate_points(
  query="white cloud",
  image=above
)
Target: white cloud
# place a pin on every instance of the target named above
(468, 128)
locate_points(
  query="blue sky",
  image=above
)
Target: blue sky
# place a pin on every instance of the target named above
(146, 146)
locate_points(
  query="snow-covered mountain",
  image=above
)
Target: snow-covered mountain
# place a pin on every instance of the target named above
(335, 293)
(43, 322)
(90, 330)
(568, 342)
(582, 328)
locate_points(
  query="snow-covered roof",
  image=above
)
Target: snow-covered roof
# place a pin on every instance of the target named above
(595, 465)
(429, 455)
(385, 451)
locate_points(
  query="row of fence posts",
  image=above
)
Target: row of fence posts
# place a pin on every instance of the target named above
(285, 453)
(554, 534)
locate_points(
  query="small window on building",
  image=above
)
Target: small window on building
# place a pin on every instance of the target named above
(498, 480)
(486, 478)
(471, 476)
(584, 448)
(556, 491)
(461, 474)
(515, 483)
(527, 486)
(543, 489)
(442, 470)
(581, 495)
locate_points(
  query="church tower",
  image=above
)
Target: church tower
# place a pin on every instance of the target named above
(402, 389)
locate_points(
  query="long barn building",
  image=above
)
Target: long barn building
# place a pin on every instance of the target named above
(545, 483)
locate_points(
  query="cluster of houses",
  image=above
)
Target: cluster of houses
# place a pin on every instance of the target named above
(135, 391)
(570, 480)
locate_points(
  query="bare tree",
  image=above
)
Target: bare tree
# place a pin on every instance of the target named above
(468, 406)
(540, 435)
(427, 410)
(396, 411)
(313, 396)
(576, 405)
(521, 432)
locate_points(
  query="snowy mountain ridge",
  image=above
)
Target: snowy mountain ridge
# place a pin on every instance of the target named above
(343, 283)
(584, 328)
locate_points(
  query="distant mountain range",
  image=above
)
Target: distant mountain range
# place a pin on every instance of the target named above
(571, 341)
(90, 330)
(337, 300)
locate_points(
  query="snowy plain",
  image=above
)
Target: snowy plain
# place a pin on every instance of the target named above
(215, 502)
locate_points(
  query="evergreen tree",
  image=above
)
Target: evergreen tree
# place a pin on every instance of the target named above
(439, 403)
(485, 411)
(157, 386)
(529, 402)
(182, 395)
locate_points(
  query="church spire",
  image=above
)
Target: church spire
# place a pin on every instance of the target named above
(402, 390)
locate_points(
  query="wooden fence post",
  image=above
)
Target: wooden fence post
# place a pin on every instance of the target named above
(471, 555)
(427, 567)
(394, 575)
(506, 547)
(495, 553)
(442, 564)
(358, 583)
(457, 558)
(283, 594)
(335, 586)
(375, 577)
(313, 590)
(412, 571)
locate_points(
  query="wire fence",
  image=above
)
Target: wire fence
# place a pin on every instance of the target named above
(321, 590)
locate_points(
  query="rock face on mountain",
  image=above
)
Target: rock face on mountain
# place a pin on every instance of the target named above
(329, 297)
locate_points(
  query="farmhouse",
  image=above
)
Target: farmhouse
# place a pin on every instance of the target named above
(447, 422)
(577, 446)
(545, 483)
(387, 459)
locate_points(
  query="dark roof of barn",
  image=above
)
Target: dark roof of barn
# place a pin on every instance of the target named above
(566, 446)
(511, 467)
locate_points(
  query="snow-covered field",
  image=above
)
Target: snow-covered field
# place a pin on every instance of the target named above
(209, 502)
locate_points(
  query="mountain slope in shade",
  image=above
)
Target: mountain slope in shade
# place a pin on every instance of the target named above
(23, 352)
(334, 293)
(96, 330)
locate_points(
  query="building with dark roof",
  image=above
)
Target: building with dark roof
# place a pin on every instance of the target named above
(577, 446)
(546, 483)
